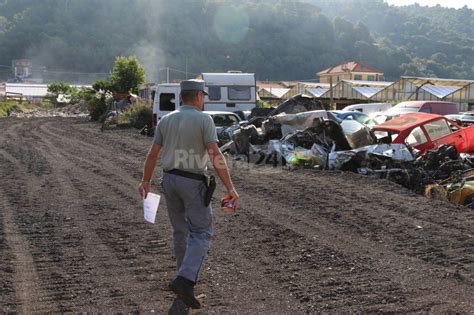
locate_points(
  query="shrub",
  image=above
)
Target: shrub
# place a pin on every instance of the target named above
(98, 103)
(140, 115)
(46, 104)
(57, 88)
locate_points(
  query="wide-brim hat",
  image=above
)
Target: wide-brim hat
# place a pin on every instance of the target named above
(193, 85)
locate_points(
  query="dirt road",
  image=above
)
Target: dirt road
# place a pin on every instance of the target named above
(72, 237)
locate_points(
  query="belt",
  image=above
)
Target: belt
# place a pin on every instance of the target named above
(190, 175)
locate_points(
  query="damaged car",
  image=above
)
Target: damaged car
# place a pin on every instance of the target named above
(297, 104)
(341, 115)
(425, 131)
(290, 123)
(462, 119)
(226, 123)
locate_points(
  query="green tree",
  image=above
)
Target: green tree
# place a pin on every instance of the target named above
(69, 92)
(103, 85)
(278, 39)
(127, 74)
(57, 88)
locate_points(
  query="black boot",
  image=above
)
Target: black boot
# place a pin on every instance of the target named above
(178, 308)
(184, 289)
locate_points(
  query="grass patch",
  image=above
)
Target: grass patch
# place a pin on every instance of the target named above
(263, 104)
(10, 106)
(7, 106)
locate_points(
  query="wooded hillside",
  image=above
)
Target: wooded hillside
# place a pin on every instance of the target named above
(283, 39)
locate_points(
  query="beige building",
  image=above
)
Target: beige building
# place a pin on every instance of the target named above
(351, 70)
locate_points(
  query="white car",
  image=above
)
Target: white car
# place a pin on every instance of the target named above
(224, 119)
(369, 108)
(226, 123)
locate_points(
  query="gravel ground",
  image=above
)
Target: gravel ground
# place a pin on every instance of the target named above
(72, 236)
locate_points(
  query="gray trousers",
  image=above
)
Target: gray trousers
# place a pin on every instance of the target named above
(191, 221)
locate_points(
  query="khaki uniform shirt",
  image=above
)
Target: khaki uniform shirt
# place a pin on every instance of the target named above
(183, 136)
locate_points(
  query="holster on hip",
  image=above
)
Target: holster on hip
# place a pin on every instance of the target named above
(210, 187)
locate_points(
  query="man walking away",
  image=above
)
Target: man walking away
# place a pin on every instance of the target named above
(187, 139)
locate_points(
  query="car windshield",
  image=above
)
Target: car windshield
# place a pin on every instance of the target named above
(359, 117)
(362, 118)
(376, 120)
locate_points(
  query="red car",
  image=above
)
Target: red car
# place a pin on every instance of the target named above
(426, 131)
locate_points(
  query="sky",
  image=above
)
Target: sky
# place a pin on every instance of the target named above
(444, 3)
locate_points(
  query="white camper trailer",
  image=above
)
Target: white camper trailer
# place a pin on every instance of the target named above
(231, 92)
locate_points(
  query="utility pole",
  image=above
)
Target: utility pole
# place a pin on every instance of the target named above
(167, 74)
(330, 93)
(186, 67)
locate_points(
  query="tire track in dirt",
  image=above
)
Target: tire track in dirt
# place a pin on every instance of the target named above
(62, 175)
(39, 225)
(30, 296)
(111, 140)
(54, 280)
(7, 282)
(96, 161)
(7, 261)
(28, 292)
(109, 233)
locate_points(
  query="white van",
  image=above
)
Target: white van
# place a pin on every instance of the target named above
(230, 92)
(165, 100)
(369, 108)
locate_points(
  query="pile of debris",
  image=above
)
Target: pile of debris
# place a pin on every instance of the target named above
(301, 134)
(73, 110)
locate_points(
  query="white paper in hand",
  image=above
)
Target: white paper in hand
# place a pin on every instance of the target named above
(150, 207)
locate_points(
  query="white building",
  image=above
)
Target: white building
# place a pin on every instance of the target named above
(29, 91)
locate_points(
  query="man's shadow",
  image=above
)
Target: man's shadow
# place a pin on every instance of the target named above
(178, 308)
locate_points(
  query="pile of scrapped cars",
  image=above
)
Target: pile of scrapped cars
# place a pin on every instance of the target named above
(423, 152)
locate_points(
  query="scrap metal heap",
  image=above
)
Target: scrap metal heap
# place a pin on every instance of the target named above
(297, 104)
(301, 134)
